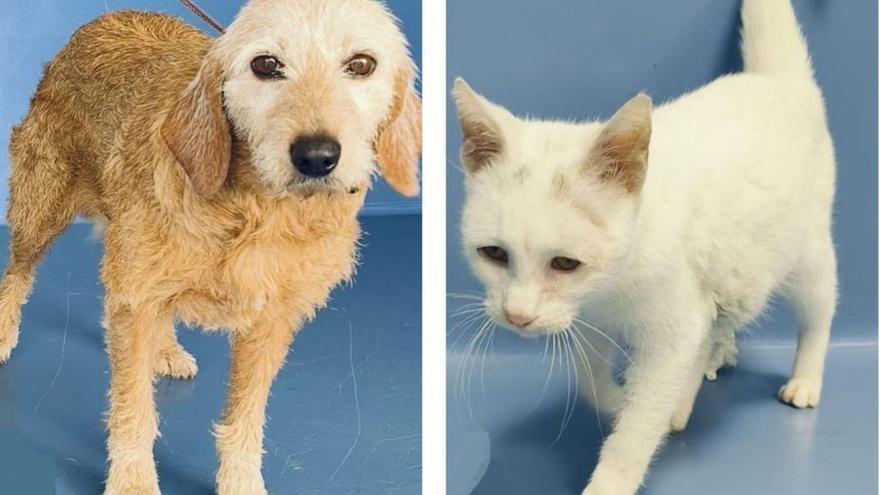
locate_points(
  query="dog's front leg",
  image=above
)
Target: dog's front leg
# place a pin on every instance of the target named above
(257, 355)
(131, 342)
(656, 382)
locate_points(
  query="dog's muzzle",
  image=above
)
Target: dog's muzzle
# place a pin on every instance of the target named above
(315, 156)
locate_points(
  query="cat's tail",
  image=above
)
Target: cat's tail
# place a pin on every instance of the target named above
(772, 42)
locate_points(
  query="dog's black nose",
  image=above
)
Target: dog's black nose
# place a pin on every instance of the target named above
(315, 156)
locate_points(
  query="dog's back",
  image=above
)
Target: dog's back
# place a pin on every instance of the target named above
(113, 67)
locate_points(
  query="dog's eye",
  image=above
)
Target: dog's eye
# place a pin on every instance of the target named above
(267, 67)
(360, 66)
(494, 254)
(563, 264)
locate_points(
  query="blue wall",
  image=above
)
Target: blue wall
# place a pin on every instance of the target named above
(563, 58)
(32, 31)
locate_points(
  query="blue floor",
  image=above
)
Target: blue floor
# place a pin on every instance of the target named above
(502, 428)
(345, 412)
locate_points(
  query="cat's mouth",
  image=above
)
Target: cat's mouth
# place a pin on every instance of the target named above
(531, 331)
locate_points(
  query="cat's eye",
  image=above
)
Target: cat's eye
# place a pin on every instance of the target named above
(267, 67)
(563, 264)
(494, 254)
(361, 65)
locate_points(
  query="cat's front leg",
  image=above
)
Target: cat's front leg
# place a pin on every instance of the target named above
(656, 383)
(597, 382)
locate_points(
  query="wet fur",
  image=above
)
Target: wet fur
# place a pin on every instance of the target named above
(194, 231)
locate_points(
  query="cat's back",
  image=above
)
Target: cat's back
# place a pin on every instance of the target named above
(743, 143)
(740, 172)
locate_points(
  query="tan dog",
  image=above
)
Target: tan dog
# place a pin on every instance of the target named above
(230, 172)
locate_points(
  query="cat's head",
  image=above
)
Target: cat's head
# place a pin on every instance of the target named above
(549, 207)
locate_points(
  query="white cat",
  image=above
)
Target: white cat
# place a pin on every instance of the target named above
(669, 226)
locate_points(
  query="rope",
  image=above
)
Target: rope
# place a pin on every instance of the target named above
(203, 15)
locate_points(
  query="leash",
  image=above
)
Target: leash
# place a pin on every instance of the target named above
(203, 15)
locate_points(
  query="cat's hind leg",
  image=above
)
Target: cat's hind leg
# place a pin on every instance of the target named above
(812, 292)
(724, 352)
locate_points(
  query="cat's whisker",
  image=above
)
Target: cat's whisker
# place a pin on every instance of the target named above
(606, 337)
(472, 368)
(467, 310)
(473, 296)
(489, 340)
(456, 165)
(586, 361)
(467, 369)
(464, 315)
(468, 350)
(569, 403)
(464, 324)
(609, 362)
(550, 341)
(546, 345)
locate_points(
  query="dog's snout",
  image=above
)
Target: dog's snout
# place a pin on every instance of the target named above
(315, 156)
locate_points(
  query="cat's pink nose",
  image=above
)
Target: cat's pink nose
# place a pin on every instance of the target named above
(518, 320)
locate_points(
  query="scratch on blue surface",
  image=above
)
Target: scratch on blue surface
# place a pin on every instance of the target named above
(63, 341)
(357, 404)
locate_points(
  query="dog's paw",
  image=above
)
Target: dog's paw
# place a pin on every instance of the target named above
(176, 363)
(240, 478)
(6, 350)
(8, 341)
(133, 479)
(801, 392)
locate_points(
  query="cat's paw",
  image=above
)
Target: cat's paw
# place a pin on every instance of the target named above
(607, 488)
(175, 362)
(801, 392)
(680, 419)
(607, 481)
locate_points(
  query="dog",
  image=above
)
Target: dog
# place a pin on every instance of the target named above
(229, 172)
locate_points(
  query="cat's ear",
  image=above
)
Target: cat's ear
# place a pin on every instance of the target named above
(620, 154)
(482, 137)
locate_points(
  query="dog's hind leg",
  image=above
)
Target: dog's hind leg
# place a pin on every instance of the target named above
(172, 360)
(40, 207)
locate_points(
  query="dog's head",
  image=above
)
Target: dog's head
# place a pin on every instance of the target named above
(320, 90)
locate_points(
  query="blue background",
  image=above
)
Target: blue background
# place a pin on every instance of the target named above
(31, 32)
(582, 59)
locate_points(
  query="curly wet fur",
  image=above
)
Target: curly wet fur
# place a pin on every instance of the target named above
(127, 125)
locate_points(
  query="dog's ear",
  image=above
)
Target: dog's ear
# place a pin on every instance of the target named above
(399, 142)
(197, 132)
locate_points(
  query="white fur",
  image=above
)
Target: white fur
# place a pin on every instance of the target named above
(735, 206)
(313, 39)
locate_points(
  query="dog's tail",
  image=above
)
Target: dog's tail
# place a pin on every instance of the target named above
(772, 42)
